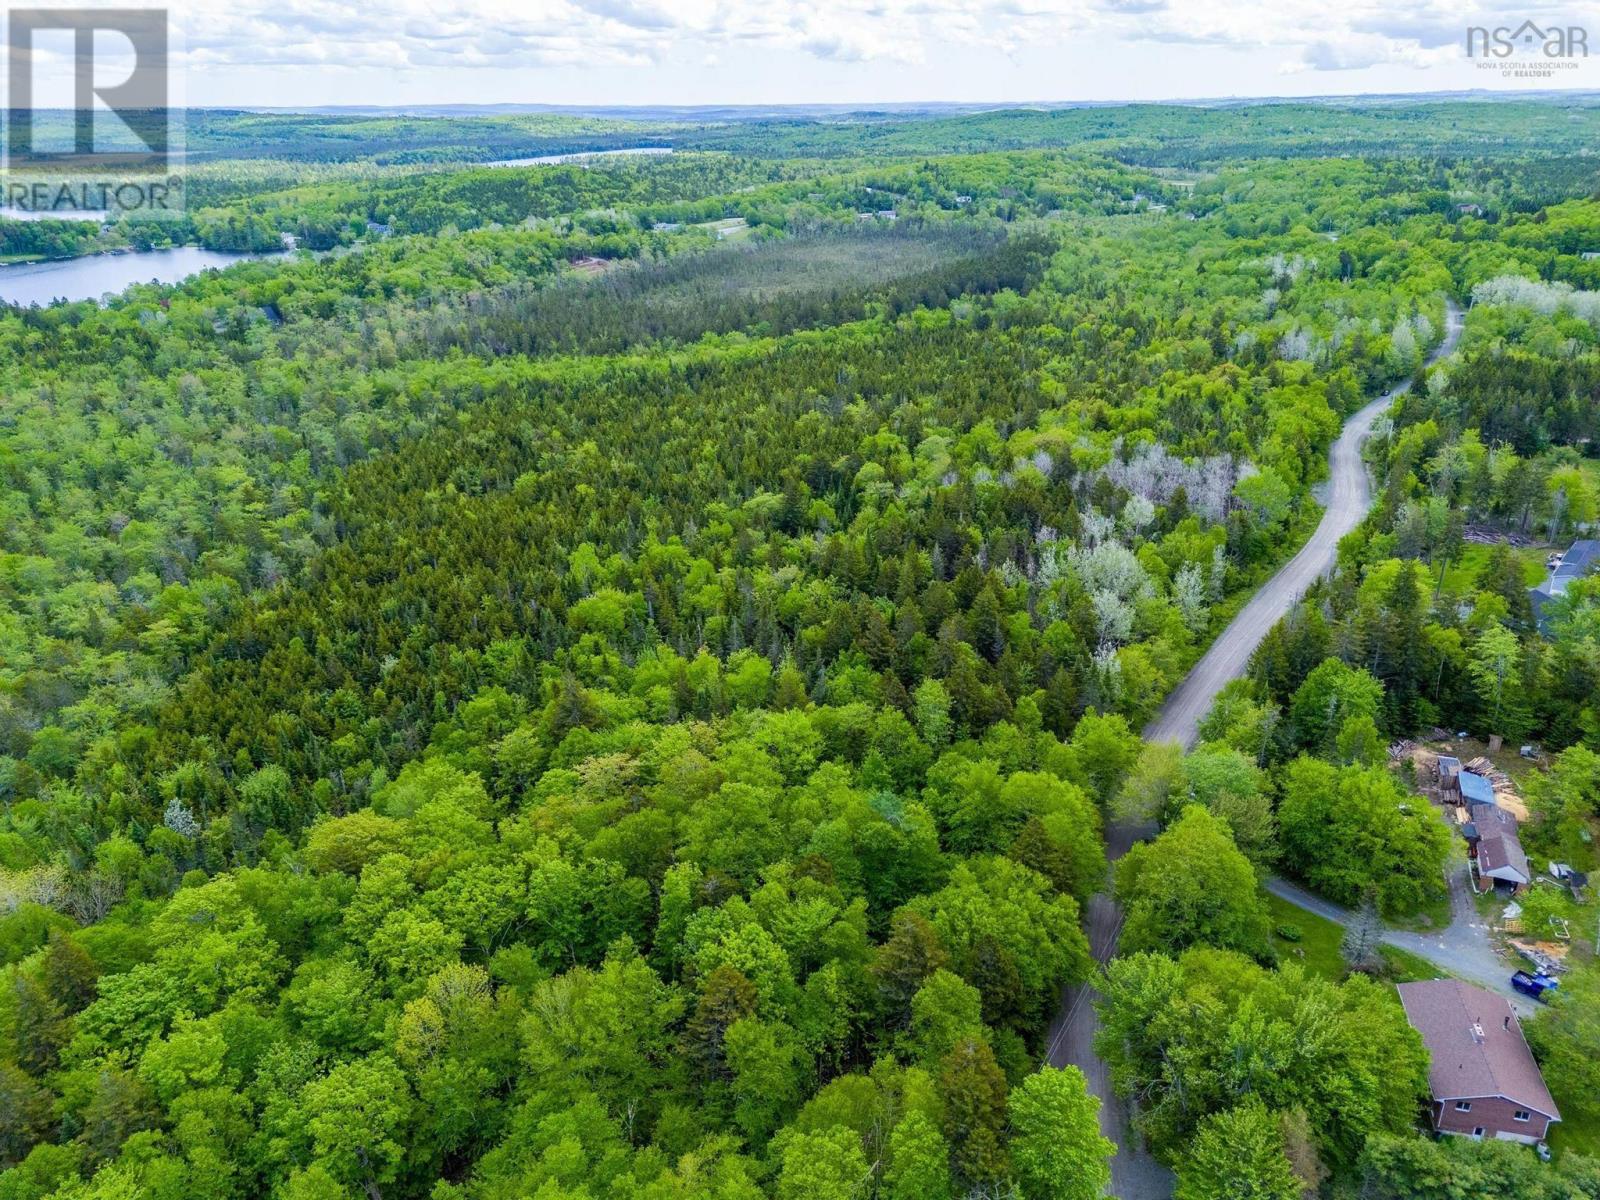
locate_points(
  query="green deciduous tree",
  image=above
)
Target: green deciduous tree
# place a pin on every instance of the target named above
(1237, 1154)
(1346, 830)
(1331, 695)
(357, 1116)
(919, 1161)
(822, 1166)
(1191, 886)
(1057, 1150)
(1566, 1039)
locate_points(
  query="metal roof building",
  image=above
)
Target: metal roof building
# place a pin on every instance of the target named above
(1475, 789)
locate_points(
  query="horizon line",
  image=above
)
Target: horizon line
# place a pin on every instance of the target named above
(1493, 95)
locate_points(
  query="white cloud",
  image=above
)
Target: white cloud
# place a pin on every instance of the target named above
(1297, 35)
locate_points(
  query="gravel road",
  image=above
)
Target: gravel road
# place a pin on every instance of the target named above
(1135, 1175)
(1349, 498)
(1461, 948)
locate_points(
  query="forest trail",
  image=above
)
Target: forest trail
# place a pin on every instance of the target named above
(1135, 1175)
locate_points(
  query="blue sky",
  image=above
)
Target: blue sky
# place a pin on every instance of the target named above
(589, 52)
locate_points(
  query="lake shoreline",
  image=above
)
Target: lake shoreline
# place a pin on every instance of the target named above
(46, 281)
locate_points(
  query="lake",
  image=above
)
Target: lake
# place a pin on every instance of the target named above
(92, 276)
(542, 160)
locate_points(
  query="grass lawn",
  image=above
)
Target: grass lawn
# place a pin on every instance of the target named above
(1436, 915)
(1462, 575)
(727, 229)
(1318, 948)
(1405, 966)
(1580, 1136)
(1490, 906)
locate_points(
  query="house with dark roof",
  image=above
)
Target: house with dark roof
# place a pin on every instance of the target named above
(1579, 559)
(1482, 1078)
(1494, 849)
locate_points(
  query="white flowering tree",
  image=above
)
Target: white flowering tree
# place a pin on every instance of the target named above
(1189, 594)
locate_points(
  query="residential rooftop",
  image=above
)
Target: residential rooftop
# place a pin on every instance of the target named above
(1580, 558)
(1475, 1045)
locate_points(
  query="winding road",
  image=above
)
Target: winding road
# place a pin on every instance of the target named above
(1349, 498)
(1135, 1175)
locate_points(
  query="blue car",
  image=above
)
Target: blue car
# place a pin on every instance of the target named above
(1534, 985)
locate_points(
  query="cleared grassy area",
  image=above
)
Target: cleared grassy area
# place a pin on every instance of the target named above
(728, 229)
(1318, 948)
(1462, 575)
(1434, 915)
(1404, 966)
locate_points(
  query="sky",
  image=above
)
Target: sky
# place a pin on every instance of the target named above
(292, 53)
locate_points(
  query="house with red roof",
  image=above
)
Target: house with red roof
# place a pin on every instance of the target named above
(1482, 1077)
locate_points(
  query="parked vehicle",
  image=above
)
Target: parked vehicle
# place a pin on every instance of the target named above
(1534, 985)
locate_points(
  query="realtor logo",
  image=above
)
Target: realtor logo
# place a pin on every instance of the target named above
(1528, 41)
(90, 120)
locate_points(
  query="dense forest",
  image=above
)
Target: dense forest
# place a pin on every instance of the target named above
(613, 679)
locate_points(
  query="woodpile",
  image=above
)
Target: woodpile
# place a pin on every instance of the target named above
(1549, 957)
(1483, 535)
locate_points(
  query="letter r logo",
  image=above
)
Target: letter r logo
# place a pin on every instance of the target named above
(140, 101)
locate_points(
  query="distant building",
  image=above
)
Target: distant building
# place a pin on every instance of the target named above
(1580, 558)
(1495, 849)
(666, 227)
(1481, 1075)
(1590, 255)
(1470, 210)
